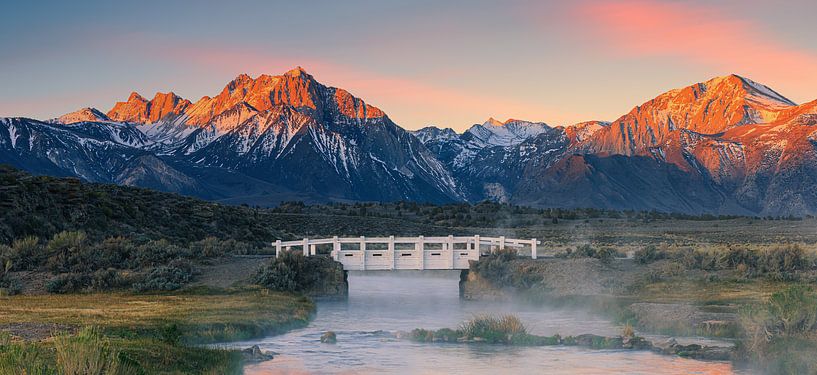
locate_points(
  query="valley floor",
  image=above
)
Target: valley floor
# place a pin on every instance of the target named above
(160, 332)
(665, 297)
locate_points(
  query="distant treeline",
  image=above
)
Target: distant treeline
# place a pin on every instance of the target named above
(44, 206)
(492, 214)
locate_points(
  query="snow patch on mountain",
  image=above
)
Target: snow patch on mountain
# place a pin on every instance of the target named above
(508, 133)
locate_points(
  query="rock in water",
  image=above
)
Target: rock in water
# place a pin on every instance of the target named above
(329, 337)
(255, 354)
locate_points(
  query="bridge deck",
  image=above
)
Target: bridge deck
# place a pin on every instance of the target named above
(406, 253)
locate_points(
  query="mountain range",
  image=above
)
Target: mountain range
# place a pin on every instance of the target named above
(725, 146)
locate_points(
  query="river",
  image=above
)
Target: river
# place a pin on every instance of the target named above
(380, 304)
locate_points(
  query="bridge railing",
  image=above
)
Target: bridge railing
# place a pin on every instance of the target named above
(385, 253)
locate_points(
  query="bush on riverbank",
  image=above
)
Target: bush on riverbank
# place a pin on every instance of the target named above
(778, 335)
(493, 329)
(293, 272)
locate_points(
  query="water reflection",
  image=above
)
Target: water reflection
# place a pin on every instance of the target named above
(382, 303)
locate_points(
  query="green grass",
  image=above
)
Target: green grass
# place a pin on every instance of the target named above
(154, 333)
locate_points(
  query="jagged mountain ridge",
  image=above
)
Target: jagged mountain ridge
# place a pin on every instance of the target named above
(727, 145)
(282, 136)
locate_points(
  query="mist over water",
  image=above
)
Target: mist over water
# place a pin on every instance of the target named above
(383, 303)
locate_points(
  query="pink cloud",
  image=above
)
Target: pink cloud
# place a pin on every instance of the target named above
(410, 101)
(700, 34)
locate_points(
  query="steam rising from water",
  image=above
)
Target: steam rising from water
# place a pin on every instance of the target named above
(380, 304)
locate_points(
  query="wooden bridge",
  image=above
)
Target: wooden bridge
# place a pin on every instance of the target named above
(406, 253)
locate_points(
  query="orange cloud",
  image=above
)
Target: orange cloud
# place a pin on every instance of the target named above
(411, 102)
(697, 34)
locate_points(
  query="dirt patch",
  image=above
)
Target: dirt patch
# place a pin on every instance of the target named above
(35, 331)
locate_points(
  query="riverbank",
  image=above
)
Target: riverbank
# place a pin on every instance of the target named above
(157, 333)
(665, 295)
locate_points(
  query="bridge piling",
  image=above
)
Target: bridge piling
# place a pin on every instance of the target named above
(363, 251)
(533, 253)
(450, 246)
(392, 252)
(421, 247)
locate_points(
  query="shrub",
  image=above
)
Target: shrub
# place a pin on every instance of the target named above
(212, 247)
(278, 276)
(106, 280)
(496, 267)
(10, 286)
(776, 335)
(793, 310)
(157, 253)
(736, 256)
(207, 248)
(68, 283)
(24, 254)
(648, 254)
(293, 272)
(112, 252)
(164, 278)
(493, 329)
(604, 254)
(65, 250)
(781, 262)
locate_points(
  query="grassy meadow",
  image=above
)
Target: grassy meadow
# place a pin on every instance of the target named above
(153, 333)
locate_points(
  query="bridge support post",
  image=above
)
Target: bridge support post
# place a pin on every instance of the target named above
(305, 247)
(421, 246)
(463, 280)
(335, 248)
(363, 251)
(451, 252)
(533, 254)
(391, 251)
(277, 248)
(477, 246)
(501, 243)
(313, 249)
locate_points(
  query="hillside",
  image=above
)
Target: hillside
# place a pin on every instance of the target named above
(43, 206)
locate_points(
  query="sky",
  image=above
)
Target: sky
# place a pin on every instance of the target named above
(442, 63)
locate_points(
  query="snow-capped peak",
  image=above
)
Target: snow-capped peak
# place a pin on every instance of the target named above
(433, 133)
(508, 133)
(81, 115)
